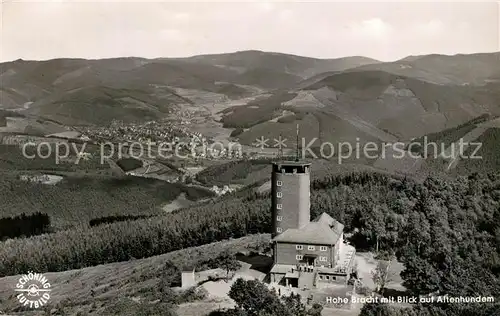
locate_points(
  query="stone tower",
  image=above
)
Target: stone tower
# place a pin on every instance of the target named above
(290, 188)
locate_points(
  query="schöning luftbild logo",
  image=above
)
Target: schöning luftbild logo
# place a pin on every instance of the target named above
(34, 290)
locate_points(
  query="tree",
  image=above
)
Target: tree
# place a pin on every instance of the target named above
(228, 262)
(236, 132)
(375, 224)
(294, 305)
(382, 274)
(255, 299)
(228, 312)
(377, 309)
(315, 310)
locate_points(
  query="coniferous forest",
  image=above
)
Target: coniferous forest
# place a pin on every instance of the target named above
(24, 225)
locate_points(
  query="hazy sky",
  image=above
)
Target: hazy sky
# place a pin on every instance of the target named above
(385, 31)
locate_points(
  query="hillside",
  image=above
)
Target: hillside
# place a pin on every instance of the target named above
(13, 159)
(423, 224)
(256, 174)
(254, 112)
(404, 106)
(127, 288)
(438, 153)
(444, 69)
(451, 135)
(87, 198)
(298, 66)
(441, 150)
(78, 91)
(489, 154)
(361, 107)
(351, 100)
(101, 105)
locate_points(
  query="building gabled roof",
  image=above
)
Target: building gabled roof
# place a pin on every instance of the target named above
(323, 231)
(331, 222)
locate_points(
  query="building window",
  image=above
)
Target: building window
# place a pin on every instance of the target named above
(279, 206)
(279, 183)
(323, 248)
(320, 277)
(327, 277)
(311, 247)
(279, 218)
(279, 230)
(298, 257)
(279, 194)
(322, 259)
(334, 278)
(299, 247)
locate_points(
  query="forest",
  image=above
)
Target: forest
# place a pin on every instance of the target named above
(24, 225)
(116, 218)
(232, 171)
(256, 111)
(445, 231)
(12, 158)
(76, 200)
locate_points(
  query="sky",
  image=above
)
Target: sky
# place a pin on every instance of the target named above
(382, 30)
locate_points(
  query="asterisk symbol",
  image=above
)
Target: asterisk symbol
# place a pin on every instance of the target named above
(261, 142)
(84, 156)
(280, 142)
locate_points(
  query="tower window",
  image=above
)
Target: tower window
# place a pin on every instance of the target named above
(279, 206)
(279, 183)
(323, 248)
(298, 257)
(311, 248)
(279, 218)
(279, 230)
(279, 194)
(299, 247)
